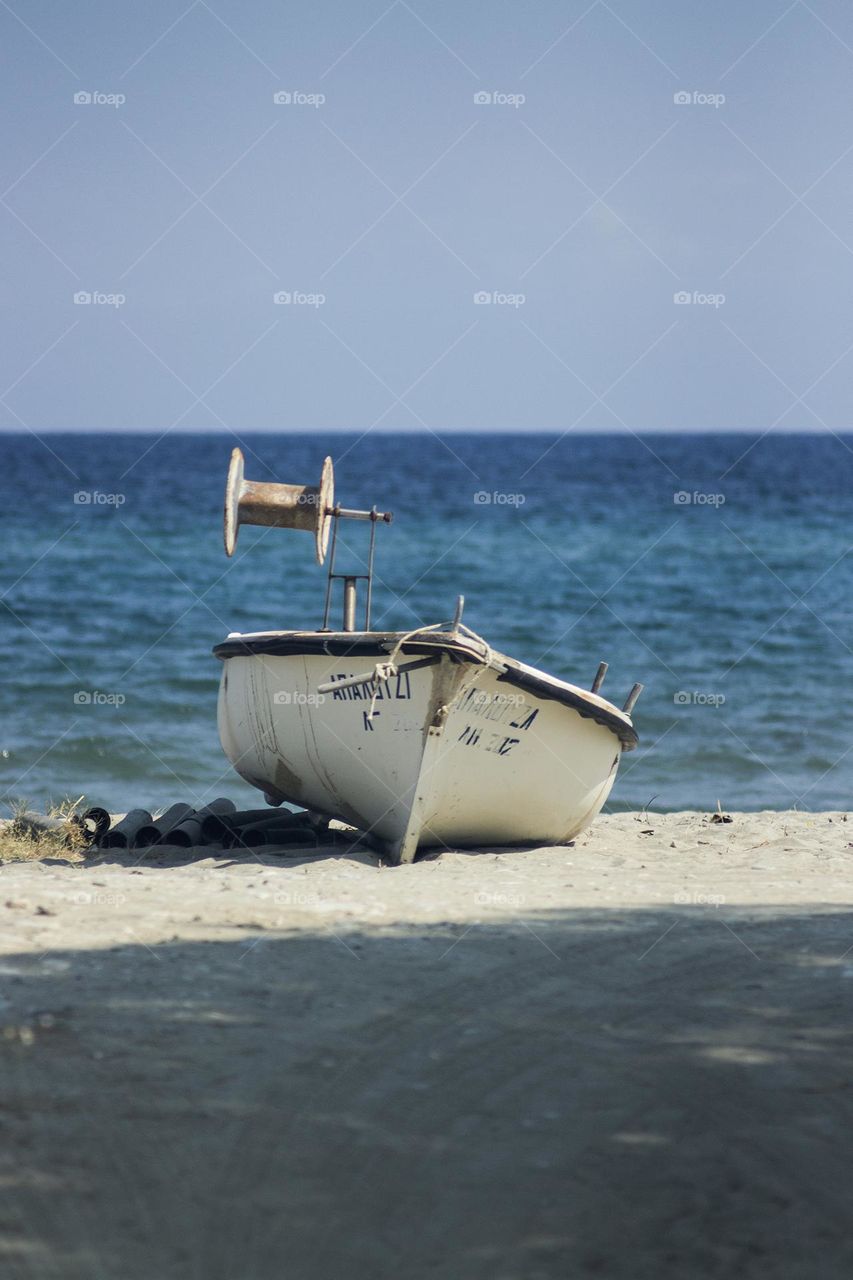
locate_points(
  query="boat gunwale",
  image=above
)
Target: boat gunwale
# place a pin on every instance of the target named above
(378, 644)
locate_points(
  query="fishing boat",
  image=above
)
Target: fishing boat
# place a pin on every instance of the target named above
(424, 738)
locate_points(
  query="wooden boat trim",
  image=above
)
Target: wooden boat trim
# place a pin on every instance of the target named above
(588, 705)
(342, 644)
(378, 644)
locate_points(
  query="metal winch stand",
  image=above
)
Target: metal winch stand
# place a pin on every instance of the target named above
(351, 580)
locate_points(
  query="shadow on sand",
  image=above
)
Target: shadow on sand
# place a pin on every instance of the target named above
(621, 1094)
(164, 855)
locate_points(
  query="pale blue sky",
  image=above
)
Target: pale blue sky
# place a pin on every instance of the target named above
(580, 212)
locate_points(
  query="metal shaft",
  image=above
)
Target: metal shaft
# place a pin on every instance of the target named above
(632, 698)
(347, 513)
(349, 604)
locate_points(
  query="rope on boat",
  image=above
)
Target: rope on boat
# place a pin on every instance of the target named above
(385, 670)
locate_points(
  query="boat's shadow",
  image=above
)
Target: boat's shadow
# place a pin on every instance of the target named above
(263, 856)
(356, 850)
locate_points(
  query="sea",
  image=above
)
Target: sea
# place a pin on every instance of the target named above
(714, 569)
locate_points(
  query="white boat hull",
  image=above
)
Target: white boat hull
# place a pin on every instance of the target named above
(448, 752)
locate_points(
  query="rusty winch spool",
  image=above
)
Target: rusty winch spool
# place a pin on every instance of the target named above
(282, 506)
(302, 506)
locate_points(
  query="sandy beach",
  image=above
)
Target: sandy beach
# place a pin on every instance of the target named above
(630, 1057)
(423, 425)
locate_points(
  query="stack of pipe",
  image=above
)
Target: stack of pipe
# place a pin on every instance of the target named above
(96, 823)
(216, 823)
(257, 827)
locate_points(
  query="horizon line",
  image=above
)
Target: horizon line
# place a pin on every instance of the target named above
(426, 431)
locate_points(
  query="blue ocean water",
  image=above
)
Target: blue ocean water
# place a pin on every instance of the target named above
(715, 569)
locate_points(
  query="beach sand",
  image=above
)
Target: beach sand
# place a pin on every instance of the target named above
(631, 1058)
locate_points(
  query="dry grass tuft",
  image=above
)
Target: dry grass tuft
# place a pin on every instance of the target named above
(27, 836)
